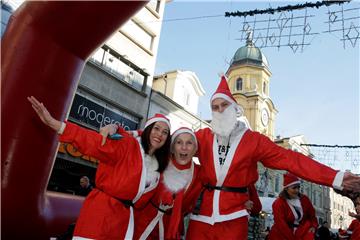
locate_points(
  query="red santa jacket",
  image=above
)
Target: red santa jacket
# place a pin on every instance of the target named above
(157, 220)
(254, 197)
(120, 176)
(354, 228)
(240, 170)
(284, 220)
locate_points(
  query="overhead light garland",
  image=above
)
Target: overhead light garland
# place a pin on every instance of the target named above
(284, 8)
(331, 146)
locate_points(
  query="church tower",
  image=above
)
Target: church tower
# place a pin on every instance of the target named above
(249, 81)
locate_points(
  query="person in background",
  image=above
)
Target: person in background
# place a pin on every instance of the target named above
(342, 234)
(354, 228)
(356, 201)
(294, 215)
(253, 206)
(266, 233)
(85, 186)
(229, 153)
(323, 232)
(127, 175)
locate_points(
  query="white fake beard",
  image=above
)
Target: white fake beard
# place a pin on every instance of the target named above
(223, 123)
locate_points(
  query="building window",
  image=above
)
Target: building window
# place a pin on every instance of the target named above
(264, 88)
(239, 84)
(120, 67)
(187, 99)
(320, 200)
(138, 33)
(154, 5)
(277, 183)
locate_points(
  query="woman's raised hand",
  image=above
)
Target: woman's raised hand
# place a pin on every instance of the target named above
(107, 130)
(44, 114)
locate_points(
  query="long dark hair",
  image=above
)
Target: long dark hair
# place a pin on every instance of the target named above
(162, 154)
(284, 194)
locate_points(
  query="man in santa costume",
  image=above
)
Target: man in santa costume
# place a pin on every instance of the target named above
(228, 155)
(294, 214)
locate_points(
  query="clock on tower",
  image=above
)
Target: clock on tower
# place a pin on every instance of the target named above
(264, 117)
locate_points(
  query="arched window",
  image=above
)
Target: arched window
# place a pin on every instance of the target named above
(239, 84)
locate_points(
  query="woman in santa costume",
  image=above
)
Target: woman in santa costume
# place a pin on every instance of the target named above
(354, 227)
(127, 175)
(229, 154)
(294, 215)
(162, 217)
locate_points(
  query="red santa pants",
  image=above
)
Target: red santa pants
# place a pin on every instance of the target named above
(232, 229)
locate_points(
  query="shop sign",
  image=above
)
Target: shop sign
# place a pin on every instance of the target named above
(69, 149)
(86, 111)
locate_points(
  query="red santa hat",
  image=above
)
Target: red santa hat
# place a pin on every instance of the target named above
(157, 118)
(290, 179)
(223, 91)
(180, 131)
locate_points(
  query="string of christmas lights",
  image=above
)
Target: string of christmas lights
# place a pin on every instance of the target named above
(330, 146)
(284, 8)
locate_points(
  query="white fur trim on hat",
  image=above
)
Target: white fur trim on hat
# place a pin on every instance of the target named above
(224, 96)
(157, 119)
(180, 131)
(292, 183)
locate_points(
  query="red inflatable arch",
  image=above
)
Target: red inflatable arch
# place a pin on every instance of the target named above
(44, 50)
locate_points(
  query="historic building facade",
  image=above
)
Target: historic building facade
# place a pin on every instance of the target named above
(176, 94)
(249, 79)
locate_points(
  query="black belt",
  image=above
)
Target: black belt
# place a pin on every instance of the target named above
(127, 203)
(167, 212)
(226, 189)
(210, 188)
(293, 225)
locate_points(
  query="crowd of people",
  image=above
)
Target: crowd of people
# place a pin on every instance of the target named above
(146, 184)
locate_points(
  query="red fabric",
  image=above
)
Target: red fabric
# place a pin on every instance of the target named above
(179, 166)
(283, 217)
(224, 89)
(355, 228)
(290, 179)
(102, 216)
(254, 197)
(230, 230)
(252, 148)
(173, 229)
(172, 223)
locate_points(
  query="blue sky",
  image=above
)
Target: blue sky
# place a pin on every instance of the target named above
(315, 91)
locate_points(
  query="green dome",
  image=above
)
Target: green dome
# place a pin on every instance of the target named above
(249, 54)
